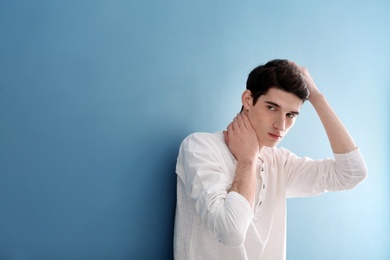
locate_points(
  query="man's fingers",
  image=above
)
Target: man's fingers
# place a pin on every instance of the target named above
(230, 127)
(246, 121)
(226, 137)
(236, 124)
(240, 122)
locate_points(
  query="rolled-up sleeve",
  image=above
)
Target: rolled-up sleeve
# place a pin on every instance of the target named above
(307, 177)
(233, 220)
(351, 169)
(207, 182)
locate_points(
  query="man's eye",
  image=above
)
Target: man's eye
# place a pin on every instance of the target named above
(271, 108)
(291, 115)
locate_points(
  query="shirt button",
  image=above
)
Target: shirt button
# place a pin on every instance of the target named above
(262, 169)
(260, 203)
(263, 186)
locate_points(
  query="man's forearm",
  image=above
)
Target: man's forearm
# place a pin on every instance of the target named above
(339, 137)
(245, 179)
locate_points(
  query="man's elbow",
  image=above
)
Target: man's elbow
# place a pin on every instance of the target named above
(232, 220)
(357, 178)
(235, 238)
(361, 177)
(231, 233)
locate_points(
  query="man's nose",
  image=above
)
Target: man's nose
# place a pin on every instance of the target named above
(280, 124)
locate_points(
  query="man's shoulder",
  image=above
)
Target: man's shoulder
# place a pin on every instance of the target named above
(204, 137)
(199, 141)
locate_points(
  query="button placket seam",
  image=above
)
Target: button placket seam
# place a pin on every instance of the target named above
(262, 187)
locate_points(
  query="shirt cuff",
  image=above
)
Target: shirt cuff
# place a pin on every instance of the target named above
(238, 200)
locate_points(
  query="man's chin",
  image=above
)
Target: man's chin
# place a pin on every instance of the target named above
(272, 144)
(269, 142)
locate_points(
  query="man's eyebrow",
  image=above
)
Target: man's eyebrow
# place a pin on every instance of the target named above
(272, 103)
(278, 106)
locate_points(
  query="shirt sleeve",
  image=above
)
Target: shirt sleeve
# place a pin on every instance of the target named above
(201, 167)
(307, 177)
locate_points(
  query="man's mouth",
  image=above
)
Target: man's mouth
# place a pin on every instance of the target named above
(276, 136)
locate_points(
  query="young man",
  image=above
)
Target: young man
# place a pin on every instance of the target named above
(232, 185)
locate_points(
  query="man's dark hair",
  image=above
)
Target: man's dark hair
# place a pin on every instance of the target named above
(281, 74)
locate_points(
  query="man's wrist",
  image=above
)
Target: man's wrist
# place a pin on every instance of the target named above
(316, 97)
(250, 160)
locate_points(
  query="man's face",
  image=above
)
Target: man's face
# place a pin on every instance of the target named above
(273, 114)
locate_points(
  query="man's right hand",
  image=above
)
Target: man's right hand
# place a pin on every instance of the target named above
(242, 141)
(241, 138)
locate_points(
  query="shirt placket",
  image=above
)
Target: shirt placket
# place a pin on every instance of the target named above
(262, 189)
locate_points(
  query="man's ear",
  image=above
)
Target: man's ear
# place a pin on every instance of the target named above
(247, 99)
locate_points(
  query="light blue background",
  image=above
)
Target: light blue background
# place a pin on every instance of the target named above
(96, 96)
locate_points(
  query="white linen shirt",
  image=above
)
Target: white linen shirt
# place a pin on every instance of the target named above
(213, 223)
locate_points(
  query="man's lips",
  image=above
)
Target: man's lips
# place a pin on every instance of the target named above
(275, 136)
